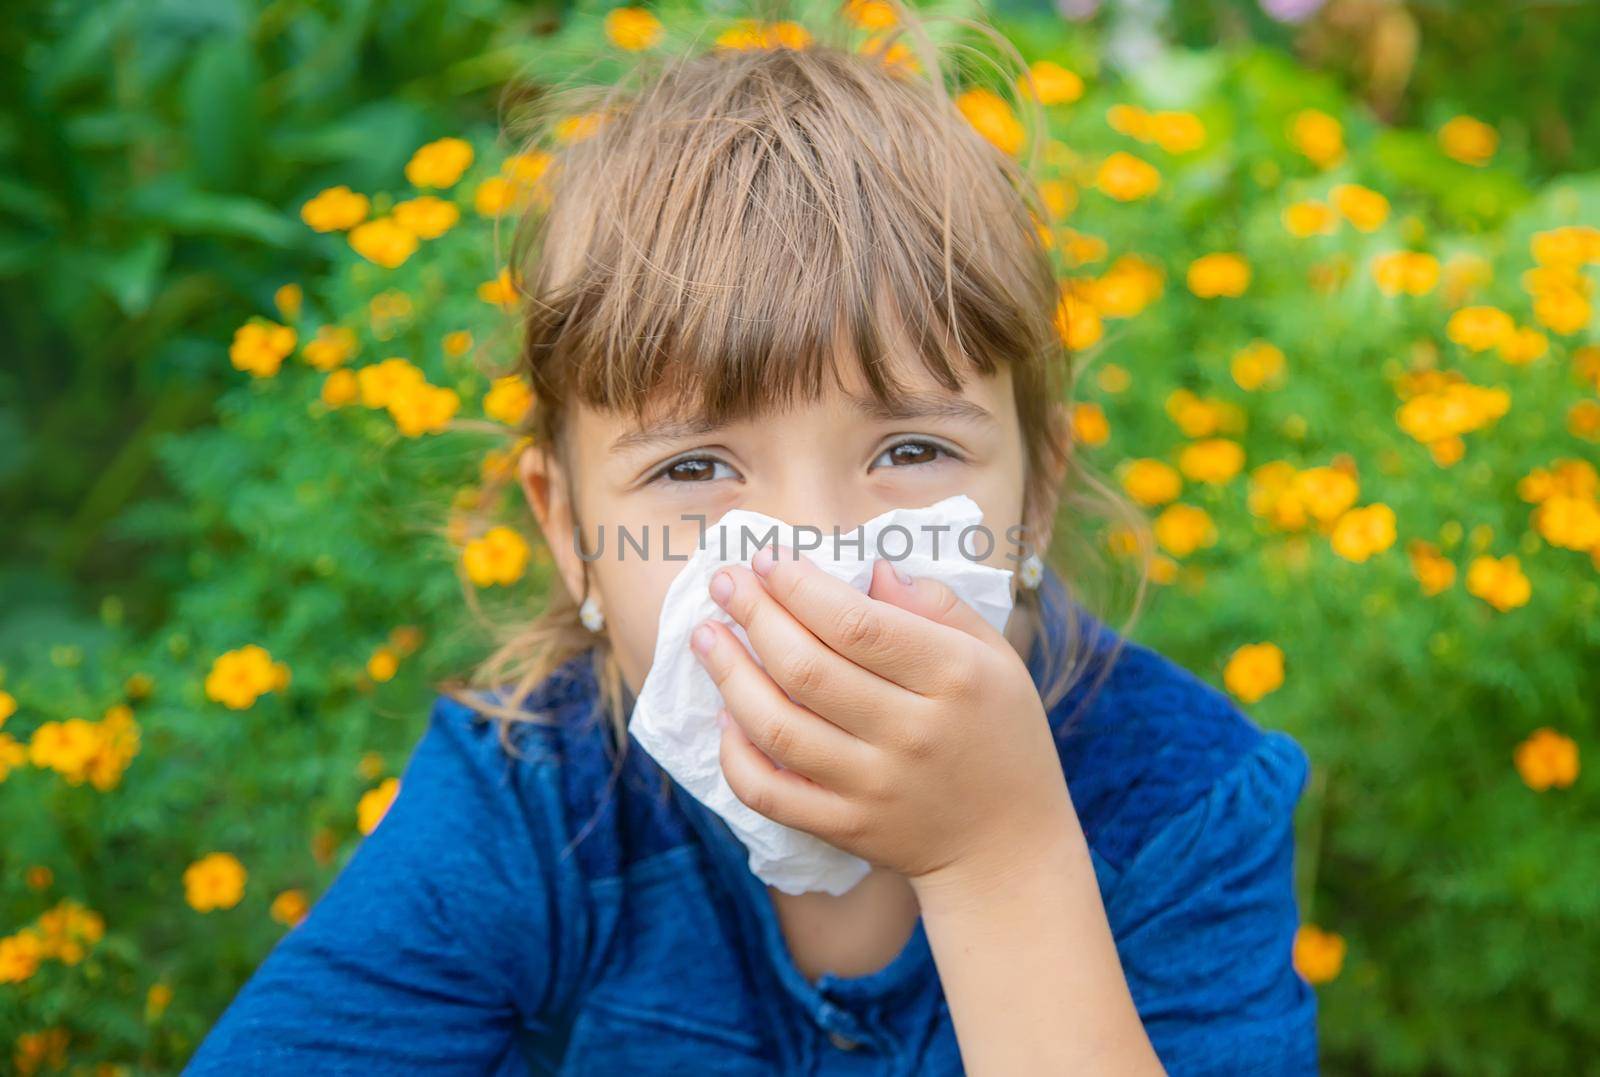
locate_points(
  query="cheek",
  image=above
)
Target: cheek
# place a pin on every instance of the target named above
(635, 592)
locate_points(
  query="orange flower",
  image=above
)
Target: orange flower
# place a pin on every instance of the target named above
(335, 210)
(1089, 425)
(384, 242)
(508, 400)
(290, 907)
(1305, 219)
(375, 803)
(1522, 346)
(1318, 955)
(333, 346)
(1257, 364)
(439, 163)
(1468, 140)
(632, 28)
(1405, 272)
(215, 881)
(1360, 533)
(991, 116)
(1151, 482)
(1479, 328)
(498, 557)
(1056, 85)
(501, 291)
(426, 216)
(1182, 529)
(1127, 178)
(1318, 136)
(1253, 671)
(1433, 571)
(1219, 274)
(1214, 461)
(1364, 208)
(1547, 760)
(261, 347)
(1499, 582)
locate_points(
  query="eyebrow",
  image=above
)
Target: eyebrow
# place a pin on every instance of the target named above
(908, 406)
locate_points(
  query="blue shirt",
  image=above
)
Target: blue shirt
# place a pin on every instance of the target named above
(544, 914)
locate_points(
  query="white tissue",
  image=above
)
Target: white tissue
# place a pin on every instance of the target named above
(675, 715)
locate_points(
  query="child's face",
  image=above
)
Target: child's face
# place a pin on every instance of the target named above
(823, 463)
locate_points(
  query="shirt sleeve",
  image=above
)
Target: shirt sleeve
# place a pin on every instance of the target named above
(432, 950)
(1205, 919)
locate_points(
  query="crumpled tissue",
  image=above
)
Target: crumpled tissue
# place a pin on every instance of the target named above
(675, 715)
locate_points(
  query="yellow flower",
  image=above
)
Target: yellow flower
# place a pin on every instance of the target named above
(508, 400)
(340, 388)
(991, 116)
(19, 957)
(1523, 346)
(239, 677)
(458, 343)
(1257, 364)
(420, 408)
(1182, 529)
(1318, 955)
(156, 1001)
(498, 557)
(1127, 178)
(870, 14)
(1089, 425)
(1057, 85)
(8, 705)
(497, 195)
(1364, 208)
(632, 28)
(1129, 286)
(1198, 417)
(579, 127)
(289, 298)
(1219, 274)
(1479, 328)
(1433, 571)
(65, 747)
(1454, 408)
(1215, 460)
(1113, 378)
(1176, 132)
(1547, 759)
(331, 347)
(290, 907)
(12, 755)
(1151, 482)
(1583, 420)
(1318, 136)
(426, 216)
(1567, 247)
(260, 347)
(1326, 493)
(1563, 311)
(1468, 140)
(1360, 533)
(500, 291)
(215, 881)
(1405, 272)
(1310, 219)
(439, 163)
(374, 805)
(384, 242)
(1576, 478)
(383, 665)
(1253, 671)
(1572, 523)
(381, 382)
(1077, 322)
(1499, 582)
(335, 210)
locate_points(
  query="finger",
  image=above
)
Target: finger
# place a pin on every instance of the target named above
(932, 599)
(891, 642)
(788, 733)
(784, 796)
(812, 673)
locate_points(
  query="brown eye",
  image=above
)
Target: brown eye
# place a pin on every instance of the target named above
(694, 469)
(910, 453)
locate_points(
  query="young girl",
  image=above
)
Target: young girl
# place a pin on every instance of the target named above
(796, 280)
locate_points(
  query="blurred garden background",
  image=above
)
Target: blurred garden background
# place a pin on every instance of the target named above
(1328, 270)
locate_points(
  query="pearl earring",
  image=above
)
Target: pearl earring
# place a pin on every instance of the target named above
(1031, 572)
(589, 613)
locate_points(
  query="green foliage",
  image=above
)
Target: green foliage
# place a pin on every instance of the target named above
(323, 534)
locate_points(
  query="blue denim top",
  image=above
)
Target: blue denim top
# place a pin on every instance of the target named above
(552, 913)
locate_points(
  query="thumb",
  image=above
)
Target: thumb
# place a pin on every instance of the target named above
(928, 598)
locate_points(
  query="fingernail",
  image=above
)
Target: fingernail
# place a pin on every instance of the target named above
(763, 561)
(721, 588)
(702, 640)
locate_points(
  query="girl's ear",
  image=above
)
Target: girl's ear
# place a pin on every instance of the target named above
(544, 484)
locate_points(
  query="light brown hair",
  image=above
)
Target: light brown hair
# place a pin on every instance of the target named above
(740, 220)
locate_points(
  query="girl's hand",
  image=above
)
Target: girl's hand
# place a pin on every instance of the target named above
(909, 731)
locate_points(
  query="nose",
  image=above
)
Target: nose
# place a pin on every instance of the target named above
(813, 501)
